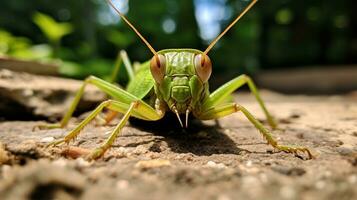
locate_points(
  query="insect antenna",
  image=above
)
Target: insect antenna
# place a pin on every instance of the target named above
(110, 2)
(229, 26)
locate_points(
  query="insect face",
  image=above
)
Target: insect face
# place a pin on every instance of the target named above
(181, 76)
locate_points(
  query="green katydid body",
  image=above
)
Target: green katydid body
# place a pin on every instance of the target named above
(174, 80)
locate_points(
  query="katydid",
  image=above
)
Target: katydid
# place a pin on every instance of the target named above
(174, 80)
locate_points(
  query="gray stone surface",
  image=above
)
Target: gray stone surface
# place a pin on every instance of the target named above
(207, 161)
(27, 96)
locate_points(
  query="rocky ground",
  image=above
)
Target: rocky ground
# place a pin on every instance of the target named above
(221, 160)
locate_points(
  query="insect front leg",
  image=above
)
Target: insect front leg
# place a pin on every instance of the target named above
(219, 95)
(138, 109)
(134, 109)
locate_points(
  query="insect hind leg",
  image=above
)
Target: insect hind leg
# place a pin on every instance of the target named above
(229, 108)
(122, 58)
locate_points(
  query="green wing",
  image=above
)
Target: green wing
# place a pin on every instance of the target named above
(142, 83)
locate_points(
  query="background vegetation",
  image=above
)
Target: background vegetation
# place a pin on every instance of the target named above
(86, 35)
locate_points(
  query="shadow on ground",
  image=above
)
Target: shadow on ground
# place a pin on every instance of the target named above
(198, 138)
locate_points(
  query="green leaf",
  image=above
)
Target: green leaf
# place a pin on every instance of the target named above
(53, 30)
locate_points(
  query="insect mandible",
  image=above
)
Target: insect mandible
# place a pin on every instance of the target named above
(174, 80)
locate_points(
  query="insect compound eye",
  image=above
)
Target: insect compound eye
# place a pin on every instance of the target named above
(158, 67)
(203, 67)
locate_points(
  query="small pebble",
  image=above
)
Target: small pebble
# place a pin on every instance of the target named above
(47, 139)
(82, 163)
(216, 165)
(147, 164)
(60, 162)
(27, 92)
(320, 185)
(107, 133)
(287, 192)
(249, 163)
(227, 131)
(250, 169)
(122, 184)
(75, 152)
(352, 179)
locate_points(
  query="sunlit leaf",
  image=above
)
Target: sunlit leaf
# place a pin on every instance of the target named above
(53, 30)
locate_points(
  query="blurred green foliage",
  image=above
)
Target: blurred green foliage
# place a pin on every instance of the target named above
(87, 35)
(54, 31)
(21, 47)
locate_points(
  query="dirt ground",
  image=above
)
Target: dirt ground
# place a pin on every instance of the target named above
(210, 160)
